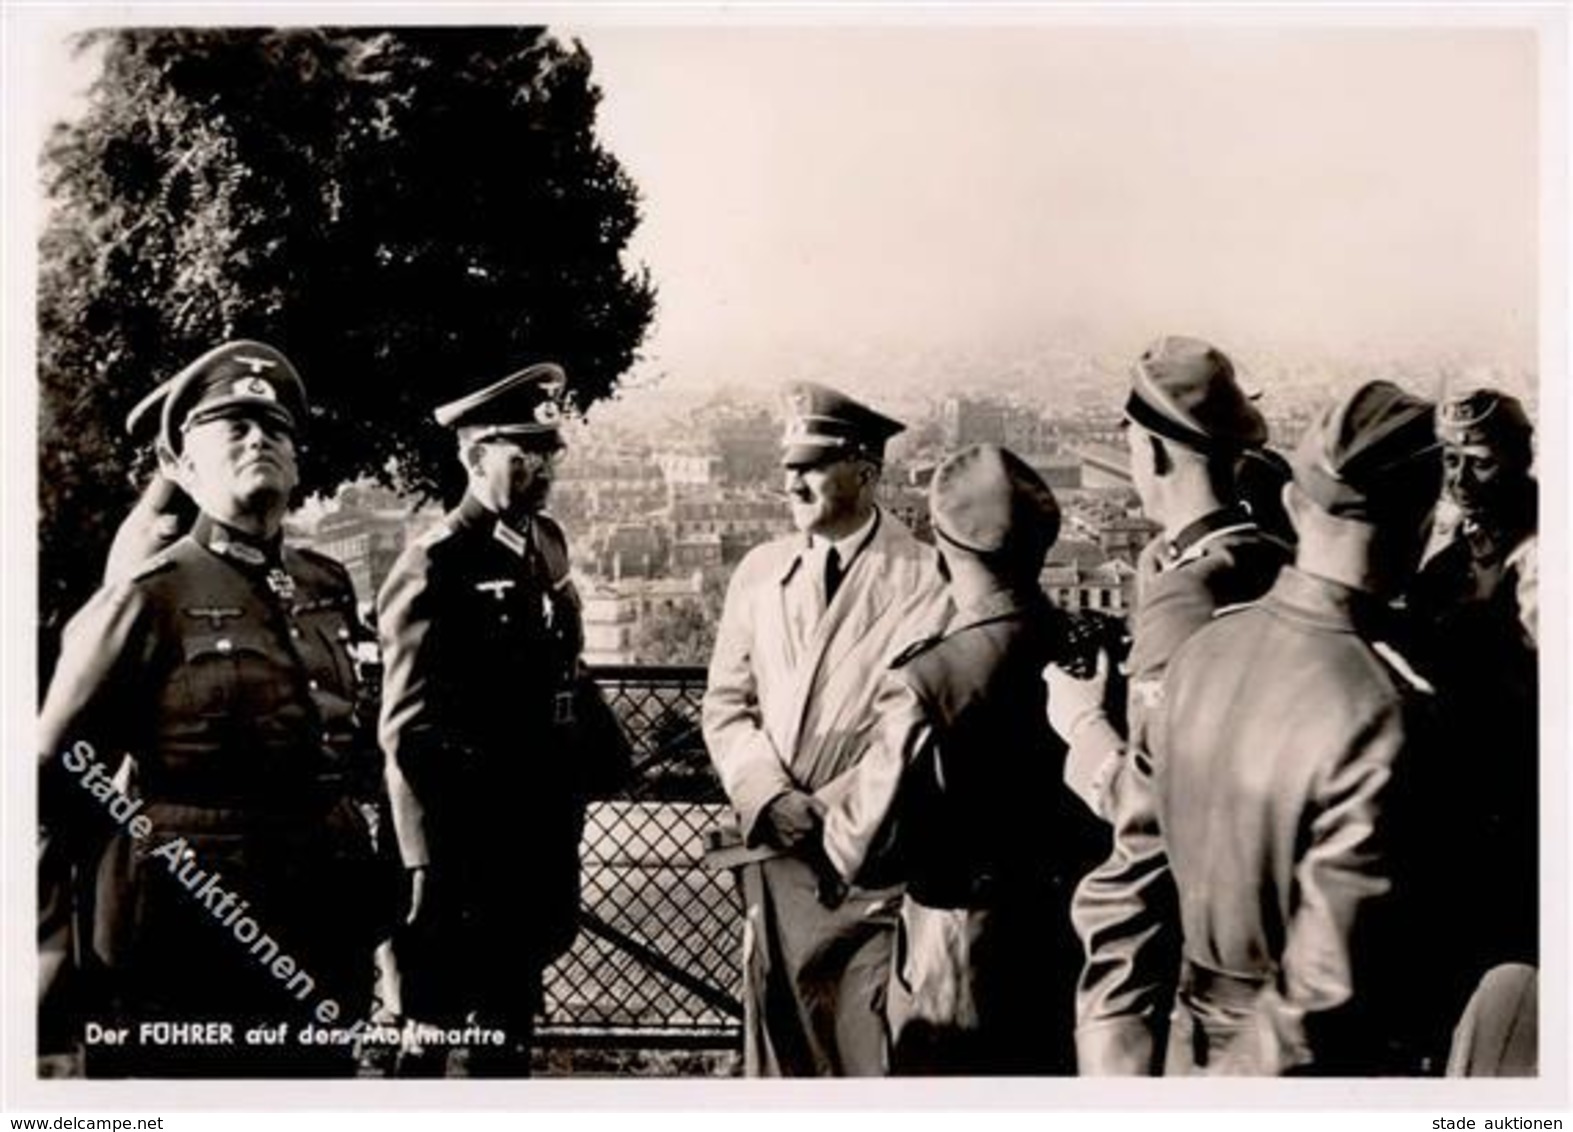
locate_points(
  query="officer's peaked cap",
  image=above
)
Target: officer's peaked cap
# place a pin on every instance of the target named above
(241, 378)
(525, 406)
(823, 422)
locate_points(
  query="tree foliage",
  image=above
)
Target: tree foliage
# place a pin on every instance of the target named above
(406, 213)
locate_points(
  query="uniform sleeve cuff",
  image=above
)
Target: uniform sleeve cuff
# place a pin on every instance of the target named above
(1094, 756)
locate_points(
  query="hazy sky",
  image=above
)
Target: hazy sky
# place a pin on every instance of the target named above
(859, 197)
(849, 202)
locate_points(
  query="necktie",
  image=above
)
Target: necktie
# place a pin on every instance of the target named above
(832, 574)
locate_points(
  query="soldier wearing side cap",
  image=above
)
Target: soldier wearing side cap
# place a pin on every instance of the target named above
(1303, 799)
(481, 636)
(1189, 428)
(222, 664)
(1476, 598)
(810, 623)
(1487, 555)
(960, 797)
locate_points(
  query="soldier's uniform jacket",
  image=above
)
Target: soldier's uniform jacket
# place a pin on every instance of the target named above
(1220, 560)
(224, 668)
(960, 798)
(1300, 794)
(481, 635)
(1476, 599)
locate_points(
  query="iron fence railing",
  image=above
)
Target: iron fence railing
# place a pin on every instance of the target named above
(657, 957)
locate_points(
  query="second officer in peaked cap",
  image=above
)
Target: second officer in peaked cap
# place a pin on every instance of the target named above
(221, 666)
(960, 798)
(481, 636)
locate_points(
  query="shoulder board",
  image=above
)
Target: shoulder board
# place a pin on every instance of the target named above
(915, 649)
(1398, 664)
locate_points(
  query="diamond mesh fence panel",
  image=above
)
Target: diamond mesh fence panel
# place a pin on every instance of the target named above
(660, 940)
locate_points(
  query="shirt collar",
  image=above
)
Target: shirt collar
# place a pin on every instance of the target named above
(848, 546)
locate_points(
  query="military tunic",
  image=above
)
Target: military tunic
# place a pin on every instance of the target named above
(481, 636)
(1222, 560)
(1475, 599)
(223, 667)
(960, 798)
(1303, 803)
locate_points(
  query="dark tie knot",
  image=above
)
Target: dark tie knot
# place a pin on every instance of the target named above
(832, 574)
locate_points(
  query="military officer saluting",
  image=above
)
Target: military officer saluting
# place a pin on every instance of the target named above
(481, 636)
(221, 664)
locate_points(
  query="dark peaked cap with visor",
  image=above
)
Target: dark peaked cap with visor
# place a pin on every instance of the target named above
(242, 378)
(1371, 453)
(823, 423)
(525, 406)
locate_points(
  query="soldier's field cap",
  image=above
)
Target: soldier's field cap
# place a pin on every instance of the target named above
(146, 417)
(1370, 453)
(242, 378)
(988, 500)
(1185, 390)
(1486, 417)
(824, 423)
(525, 406)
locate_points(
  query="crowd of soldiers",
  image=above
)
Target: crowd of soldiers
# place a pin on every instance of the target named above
(1285, 824)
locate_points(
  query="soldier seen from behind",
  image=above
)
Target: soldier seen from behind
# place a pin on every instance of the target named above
(1306, 803)
(960, 797)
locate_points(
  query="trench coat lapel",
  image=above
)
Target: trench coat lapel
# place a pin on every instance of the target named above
(855, 610)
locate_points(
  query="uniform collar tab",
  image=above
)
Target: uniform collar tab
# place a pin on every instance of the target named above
(236, 546)
(1192, 533)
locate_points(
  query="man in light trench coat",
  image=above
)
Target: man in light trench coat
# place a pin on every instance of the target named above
(811, 621)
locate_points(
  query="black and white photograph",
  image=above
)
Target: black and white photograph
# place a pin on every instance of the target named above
(964, 557)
